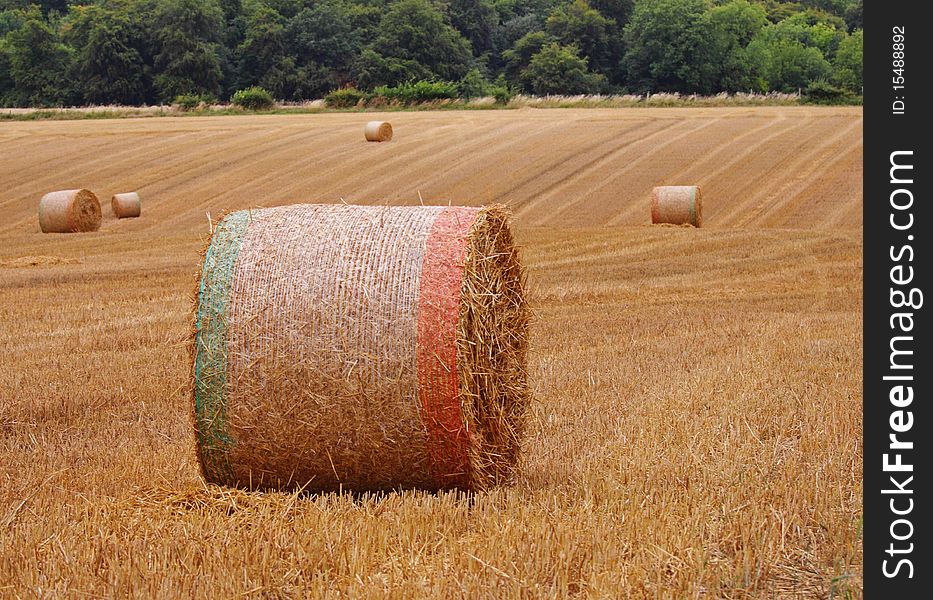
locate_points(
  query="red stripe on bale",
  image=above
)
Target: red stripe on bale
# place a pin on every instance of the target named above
(438, 307)
(655, 209)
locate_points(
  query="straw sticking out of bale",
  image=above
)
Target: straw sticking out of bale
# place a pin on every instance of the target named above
(126, 205)
(362, 348)
(677, 205)
(378, 131)
(69, 211)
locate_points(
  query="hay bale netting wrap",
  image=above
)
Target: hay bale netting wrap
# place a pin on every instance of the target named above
(360, 348)
(677, 205)
(69, 211)
(126, 205)
(378, 131)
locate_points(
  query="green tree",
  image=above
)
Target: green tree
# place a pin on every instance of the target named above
(778, 10)
(832, 7)
(38, 64)
(731, 27)
(474, 85)
(325, 34)
(777, 63)
(619, 12)
(7, 84)
(853, 16)
(847, 67)
(109, 67)
(667, 46)
(510, 9)
(262, 56)
(578, 24)
(519, 56)
(813, 30)
(45, 6)
(324, 39)
(510, 31)
(186, 35)
(10, 20)
(477, 21)
(414, 42)
(559, 69)
(232, 9)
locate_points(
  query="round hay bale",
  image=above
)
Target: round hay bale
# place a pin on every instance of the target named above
(677, 205)
(378, 131)
(360, 348)
(69, 211)
(126, 206)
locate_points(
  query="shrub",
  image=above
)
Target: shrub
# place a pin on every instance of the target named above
(502, 93)
(344, 98)
(186, 102)
(420, 91)
(474, 85)
(253, 98)
(557, 69)
(823, 92)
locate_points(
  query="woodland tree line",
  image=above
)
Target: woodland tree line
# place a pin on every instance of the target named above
(135, 52)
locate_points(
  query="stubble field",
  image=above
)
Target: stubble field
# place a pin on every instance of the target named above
(696, 423)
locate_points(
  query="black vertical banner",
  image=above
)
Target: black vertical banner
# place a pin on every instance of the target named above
(897, 361)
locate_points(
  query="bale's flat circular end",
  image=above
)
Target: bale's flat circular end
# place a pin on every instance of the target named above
(677, 205)
(126, 206)
(378, 131)
(492, 346)
(698, 201)
(69, 211)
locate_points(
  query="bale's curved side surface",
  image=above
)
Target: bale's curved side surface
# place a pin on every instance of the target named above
(378, 131)
(126, 206)
(362, 348)
(69, 211)
(677, 205)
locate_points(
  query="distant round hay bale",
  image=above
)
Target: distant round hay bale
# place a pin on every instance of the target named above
(677, 205)
(126, 205)
(69, 211)
(360, 348)
(378, 131)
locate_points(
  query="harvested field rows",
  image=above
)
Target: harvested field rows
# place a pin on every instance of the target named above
(696, 422)
(759, 167)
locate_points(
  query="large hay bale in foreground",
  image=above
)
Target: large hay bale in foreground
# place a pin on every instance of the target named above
(69, 211)
(378, 131)
(677, 205)
(126, 206)
(360, 348)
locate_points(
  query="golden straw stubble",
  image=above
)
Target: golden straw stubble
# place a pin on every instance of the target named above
(378, 131)
(126, 205)
(69, 211)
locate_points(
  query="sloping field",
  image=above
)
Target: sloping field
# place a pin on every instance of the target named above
(760, 167)
(696, 429)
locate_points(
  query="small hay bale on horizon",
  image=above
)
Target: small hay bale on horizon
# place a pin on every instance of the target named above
(378, 131)
(69, 211)
(126, 205)
(360, 348)
(677, 205)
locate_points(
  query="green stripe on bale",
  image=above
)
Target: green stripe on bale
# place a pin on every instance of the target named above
(210, 362)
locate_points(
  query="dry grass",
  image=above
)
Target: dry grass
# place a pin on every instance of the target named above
(696, 422)
(722, 99)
